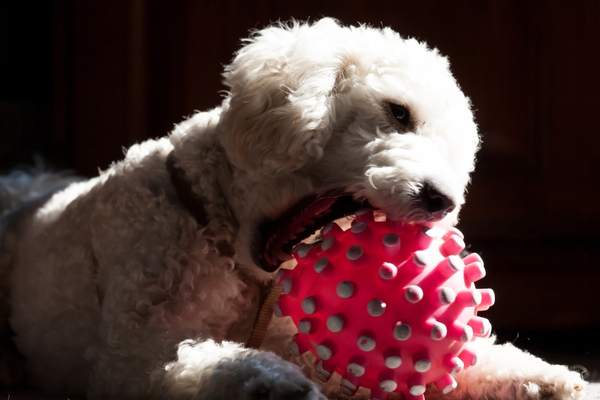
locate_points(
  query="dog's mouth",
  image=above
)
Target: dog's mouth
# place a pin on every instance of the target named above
(275, 239)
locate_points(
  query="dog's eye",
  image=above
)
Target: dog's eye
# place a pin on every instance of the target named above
(400, 113)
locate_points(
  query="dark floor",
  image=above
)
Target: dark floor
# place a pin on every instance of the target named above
(592, 393)
(578, 349)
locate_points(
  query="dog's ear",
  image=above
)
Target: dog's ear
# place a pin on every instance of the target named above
(278, 116)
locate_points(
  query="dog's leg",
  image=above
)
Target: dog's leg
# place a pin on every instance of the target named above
(140, 363)
(504, 372)
(139, 357)
(203, 370)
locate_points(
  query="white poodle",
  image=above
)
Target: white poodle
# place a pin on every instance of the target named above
(146, 281)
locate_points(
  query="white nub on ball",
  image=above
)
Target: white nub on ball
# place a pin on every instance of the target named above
(417, 390)
(391, 240)
(345, 289)
(366, 343)
(421, 258)
(324, 352)
(447, 295)
(321, 264)
(388, 385)
(402, 331)
(354, 253)
(450, 387)
(422, 365)
(438, 331)
(335, 323)
(327, 243)
(358, 226)
(304, 326)
(388, 271)
(459, 365)
(467, 334)
(456, 263)
(355, 369)
(376, 308)
(309, 305)
(393, 362)
(413, 293)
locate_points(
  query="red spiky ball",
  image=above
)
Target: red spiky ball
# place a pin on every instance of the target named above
(389, 306)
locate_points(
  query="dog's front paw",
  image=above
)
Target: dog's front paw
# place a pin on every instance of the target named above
(257, 375)
(555, 383)
(268, 377)
(505, 372)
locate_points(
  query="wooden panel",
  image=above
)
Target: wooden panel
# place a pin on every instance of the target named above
(106, 81)
(125, 71)
(25, 77)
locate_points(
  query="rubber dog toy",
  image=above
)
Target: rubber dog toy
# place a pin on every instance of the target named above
(389, 306)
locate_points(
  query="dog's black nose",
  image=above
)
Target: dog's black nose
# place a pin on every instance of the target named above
(434, 201)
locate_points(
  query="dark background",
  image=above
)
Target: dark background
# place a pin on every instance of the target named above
(80, 80)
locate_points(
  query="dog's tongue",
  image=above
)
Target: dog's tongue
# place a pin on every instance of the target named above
(294, 223)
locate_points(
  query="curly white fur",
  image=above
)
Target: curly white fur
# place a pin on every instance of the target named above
(116, 290)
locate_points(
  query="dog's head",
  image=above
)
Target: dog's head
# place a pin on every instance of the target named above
(323, 119)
